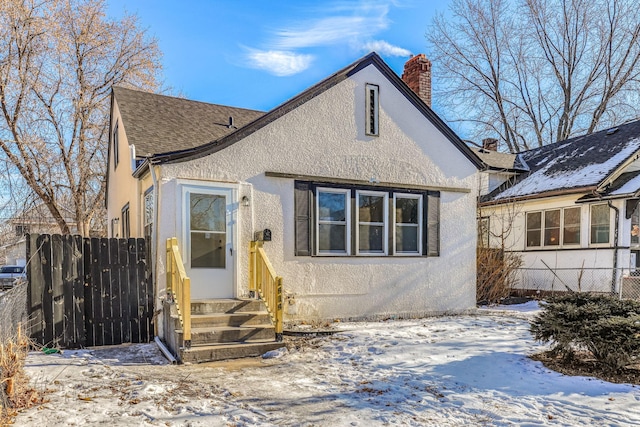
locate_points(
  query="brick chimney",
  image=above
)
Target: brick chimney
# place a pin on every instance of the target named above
(490, 144)
(417, 75)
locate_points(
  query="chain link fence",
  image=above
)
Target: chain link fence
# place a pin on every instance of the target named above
(617, 282)
(13, 309)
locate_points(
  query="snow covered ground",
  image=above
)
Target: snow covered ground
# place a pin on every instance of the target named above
(444, 371)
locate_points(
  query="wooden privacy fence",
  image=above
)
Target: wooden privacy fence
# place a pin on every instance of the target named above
(87, 292)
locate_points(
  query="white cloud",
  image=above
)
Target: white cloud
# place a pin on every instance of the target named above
(349, 22)
(384, 48)
(335, 23)
(278, 62)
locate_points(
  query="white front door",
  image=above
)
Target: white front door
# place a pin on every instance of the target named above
(209, 219)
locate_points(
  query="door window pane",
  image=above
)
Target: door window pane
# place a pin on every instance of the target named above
(208, 212)
(208, 230)
(208, 250)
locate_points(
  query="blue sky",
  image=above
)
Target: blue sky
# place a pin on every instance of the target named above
(257, 54)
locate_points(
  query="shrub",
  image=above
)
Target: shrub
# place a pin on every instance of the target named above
(495, 274)
(15, 392)
(605, 326)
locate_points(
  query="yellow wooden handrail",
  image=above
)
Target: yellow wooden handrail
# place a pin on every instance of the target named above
(264, 282)
(179, 288)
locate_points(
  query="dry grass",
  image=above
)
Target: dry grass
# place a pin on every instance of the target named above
(15, 392)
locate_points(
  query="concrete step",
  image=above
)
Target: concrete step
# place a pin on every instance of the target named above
(249, 318)
(226, 306)
(229, 334)
(212, 353)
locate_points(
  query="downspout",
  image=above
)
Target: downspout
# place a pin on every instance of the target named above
(154, 232)
(615, 247)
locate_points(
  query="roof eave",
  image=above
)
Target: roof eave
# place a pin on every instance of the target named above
(312, 92)
(142, 169)
(617, 171)
(422, 107)
(553, 193)
(505, 170)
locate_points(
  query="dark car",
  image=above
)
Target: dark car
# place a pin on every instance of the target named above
(9, 274)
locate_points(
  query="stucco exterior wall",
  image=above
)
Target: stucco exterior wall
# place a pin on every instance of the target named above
(123, 187)
(592, 262)
(326, 137)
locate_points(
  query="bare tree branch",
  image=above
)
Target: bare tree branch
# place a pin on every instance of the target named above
(58, 62)
(538, 71)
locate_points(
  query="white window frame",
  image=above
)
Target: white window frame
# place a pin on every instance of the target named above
(543, 229)
(125, 214)
(608, 242)
(526, 229)
(385, 223)
(420, 222)
(346, 222)
(372, 109)
(562, 224)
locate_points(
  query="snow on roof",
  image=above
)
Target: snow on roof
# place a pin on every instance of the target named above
(631, 185)
(579, 162)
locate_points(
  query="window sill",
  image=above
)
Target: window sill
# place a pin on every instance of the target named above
(368, 256)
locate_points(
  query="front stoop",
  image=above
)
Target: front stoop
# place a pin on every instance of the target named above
(227, 329)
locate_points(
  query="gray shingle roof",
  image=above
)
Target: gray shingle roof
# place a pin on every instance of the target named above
(577, 163)
(158, 124)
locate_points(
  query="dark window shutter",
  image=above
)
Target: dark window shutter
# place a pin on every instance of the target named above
(433, 223)
(302, 200)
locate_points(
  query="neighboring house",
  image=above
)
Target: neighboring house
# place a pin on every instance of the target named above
(569, 209)
(370, 199)
(37, 219)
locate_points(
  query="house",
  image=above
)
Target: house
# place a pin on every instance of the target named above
(569, 210)
(35, 219)
(363, 199)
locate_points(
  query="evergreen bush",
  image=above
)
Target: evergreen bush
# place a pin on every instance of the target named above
(605, 326)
